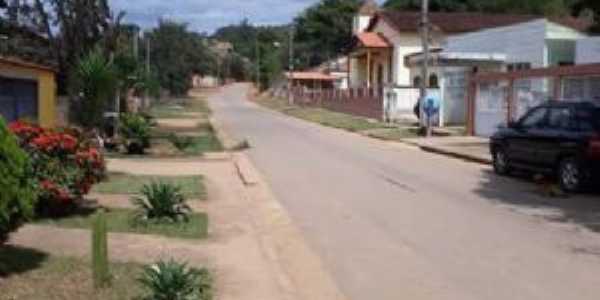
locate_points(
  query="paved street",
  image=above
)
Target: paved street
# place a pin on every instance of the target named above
(393, 222)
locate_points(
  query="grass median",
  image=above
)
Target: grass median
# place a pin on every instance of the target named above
(122, 220)
(32, 274)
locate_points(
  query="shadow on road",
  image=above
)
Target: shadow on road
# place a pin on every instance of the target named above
(524, 195)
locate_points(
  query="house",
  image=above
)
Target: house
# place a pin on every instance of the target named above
(337, 68)
(387, 52)
(311, 80)
(27, 81)
(539, 43)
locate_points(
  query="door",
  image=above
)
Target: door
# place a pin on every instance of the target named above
(18, 99)
(559, 137)
(528, 137)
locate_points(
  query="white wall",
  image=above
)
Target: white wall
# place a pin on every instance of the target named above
(587, 50)
(360, 23)
(523, 42)
(405, 43)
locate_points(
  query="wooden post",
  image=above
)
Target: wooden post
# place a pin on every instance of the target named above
(471, 96)
(510, 92)
(557, 88)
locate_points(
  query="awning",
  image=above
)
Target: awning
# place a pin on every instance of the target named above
(442, 58)
(310, 76)
(372, 40)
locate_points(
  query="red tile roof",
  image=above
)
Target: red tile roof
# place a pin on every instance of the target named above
(311, 76)
(373, 40)
(465, 22)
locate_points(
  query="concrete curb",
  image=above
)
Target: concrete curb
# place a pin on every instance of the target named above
(455, 154)
(245, 170)
(302, 274)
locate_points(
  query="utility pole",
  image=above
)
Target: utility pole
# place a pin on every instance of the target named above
(291, 66)
(135, 41)
(425, 62)
(146, 97)
(257, 64)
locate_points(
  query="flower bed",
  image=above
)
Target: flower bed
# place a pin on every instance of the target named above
(65, 165)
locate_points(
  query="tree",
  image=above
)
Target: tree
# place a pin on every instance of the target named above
(96, 83)
(538, 7)
(324, 29)
(177, 54)
(73, 27)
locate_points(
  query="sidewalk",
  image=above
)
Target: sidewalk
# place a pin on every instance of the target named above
(470, 148)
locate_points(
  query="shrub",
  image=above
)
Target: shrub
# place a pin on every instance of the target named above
(135, 129)
(176, 281)
(181, 142)
(161, 201)
(64, 165)
(17, 189)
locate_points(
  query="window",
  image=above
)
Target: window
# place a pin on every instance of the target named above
(535, 118)
(18, 99)
(417, 81)
(589, 120)
(560, 118)
(518, 67)
(433, 81)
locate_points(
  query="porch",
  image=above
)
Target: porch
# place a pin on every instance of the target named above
(370, 62)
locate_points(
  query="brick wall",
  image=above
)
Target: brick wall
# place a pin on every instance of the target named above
(356, 101)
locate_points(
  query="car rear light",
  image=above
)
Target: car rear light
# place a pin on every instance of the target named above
(594, 147)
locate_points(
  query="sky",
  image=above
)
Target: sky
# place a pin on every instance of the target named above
(209, 15)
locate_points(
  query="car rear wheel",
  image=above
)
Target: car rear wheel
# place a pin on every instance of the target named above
(570, 175)
(501, 161)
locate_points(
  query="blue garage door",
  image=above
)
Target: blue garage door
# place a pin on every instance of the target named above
(18, 99)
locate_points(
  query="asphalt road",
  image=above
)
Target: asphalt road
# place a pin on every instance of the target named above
(393, 222)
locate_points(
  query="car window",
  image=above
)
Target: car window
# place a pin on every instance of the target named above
(560, 118)
(535, 118)
(588, 119)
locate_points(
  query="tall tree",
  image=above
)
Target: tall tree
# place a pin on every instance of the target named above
(324, 29)
(540, 7)
(176, 54)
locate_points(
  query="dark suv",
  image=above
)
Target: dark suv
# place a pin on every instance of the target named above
(558, 138)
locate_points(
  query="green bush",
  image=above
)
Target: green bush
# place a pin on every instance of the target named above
(181, 142)
(17, 189)
(176, 281)
(161, 202)
(135, 129)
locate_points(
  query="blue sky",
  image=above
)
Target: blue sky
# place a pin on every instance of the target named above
(208, 15)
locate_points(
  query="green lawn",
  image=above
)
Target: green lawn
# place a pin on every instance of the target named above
(193, 187)
(323, 116)
(31, 274)
(122, 220)
(176, 108)
(393, 134)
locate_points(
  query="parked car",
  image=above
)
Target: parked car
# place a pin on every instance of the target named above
(558, 138)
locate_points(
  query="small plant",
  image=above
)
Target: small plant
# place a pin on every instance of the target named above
(176, 281)
(181, 142)
(161, 201)
(135, 129)
(100, 269)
